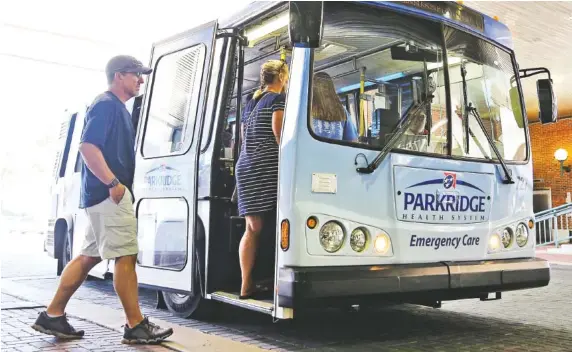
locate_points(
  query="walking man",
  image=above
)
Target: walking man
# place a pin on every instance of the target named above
(107, 147)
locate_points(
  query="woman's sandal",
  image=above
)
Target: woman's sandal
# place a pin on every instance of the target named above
(252, 295)
(256, 294)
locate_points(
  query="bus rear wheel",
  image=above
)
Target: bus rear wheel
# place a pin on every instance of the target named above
(194, 305)
(66, 253)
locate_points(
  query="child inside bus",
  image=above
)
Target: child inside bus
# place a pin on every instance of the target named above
(330, 118)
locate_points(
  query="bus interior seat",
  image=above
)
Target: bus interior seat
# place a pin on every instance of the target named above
(385, 121)
(176, 138)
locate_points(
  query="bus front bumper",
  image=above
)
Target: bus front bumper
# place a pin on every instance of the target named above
(438, 281)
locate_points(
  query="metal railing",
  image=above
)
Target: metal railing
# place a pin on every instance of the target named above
(554, 226)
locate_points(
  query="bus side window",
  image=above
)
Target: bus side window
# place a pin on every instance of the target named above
(66, 150)
(174, 102)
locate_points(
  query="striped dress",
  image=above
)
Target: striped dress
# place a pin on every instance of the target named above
(257, 166)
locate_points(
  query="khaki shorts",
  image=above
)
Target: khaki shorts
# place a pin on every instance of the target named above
(112, 230)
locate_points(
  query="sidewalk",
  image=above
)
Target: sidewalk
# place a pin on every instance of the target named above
(102, 325)
(27, 286)
(554, 255)
(17, 336)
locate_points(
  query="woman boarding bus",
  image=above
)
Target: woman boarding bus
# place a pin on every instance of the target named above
(423, 206)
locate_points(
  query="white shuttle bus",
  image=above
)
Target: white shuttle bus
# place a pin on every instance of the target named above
(432, 201)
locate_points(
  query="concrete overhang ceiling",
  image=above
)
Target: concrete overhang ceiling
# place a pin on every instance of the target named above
(542, 35)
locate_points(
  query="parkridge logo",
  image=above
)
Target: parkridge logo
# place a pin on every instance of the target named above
(448, 200)
(163, 177)
(450, 180)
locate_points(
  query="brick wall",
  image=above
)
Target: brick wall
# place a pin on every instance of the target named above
(545, 140)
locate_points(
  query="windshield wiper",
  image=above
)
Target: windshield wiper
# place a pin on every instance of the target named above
(465, 119)
(469, 108)
(508, 179)
(398, 131)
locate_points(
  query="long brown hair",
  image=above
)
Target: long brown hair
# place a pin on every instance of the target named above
(326, 104)
(269, 72)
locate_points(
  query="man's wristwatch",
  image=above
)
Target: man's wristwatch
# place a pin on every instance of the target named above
(113, 183)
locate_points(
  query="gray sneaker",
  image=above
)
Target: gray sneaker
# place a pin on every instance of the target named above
(145, 333)
(58, 326)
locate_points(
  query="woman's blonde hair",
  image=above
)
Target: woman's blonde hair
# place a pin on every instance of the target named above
(269, 72)
(326, 104)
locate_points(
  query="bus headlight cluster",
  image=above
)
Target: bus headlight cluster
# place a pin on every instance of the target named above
(337, 236)
(521, 235)
(506, 237)
(332, 236)
(358, 239)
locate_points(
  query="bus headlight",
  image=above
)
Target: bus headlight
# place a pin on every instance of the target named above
(358, 239)
(382, 243)
(506, 237)
(332, 236)
(494, 242)
(521, 235)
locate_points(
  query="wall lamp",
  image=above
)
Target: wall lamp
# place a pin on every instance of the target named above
(561, 155)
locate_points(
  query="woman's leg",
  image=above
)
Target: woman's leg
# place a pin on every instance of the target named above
(247, 251)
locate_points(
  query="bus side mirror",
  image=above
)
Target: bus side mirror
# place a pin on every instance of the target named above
(305, 24)
(547, 105)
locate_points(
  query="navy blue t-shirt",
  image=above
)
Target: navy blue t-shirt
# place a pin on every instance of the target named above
(108, 126)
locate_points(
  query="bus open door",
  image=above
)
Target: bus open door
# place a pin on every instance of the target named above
(166, 172)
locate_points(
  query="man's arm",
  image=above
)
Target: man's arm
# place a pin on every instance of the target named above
(95, 162)
(93, 139)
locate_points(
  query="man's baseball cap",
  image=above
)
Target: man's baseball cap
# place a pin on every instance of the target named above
(126, 63)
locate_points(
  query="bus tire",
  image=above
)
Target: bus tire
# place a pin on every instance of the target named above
(183, 306)
(65, 250)
(195, 305)
(190, 306)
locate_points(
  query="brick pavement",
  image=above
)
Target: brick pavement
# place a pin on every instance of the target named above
(17, 335)
(530, 320)
(10, 302)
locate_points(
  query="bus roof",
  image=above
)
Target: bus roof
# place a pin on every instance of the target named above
(453, 12)
(450, 12)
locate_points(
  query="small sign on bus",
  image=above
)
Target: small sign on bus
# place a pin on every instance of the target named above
(450, 10)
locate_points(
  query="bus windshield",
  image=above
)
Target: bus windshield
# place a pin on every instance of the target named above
(375, 65)
(486, 86)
